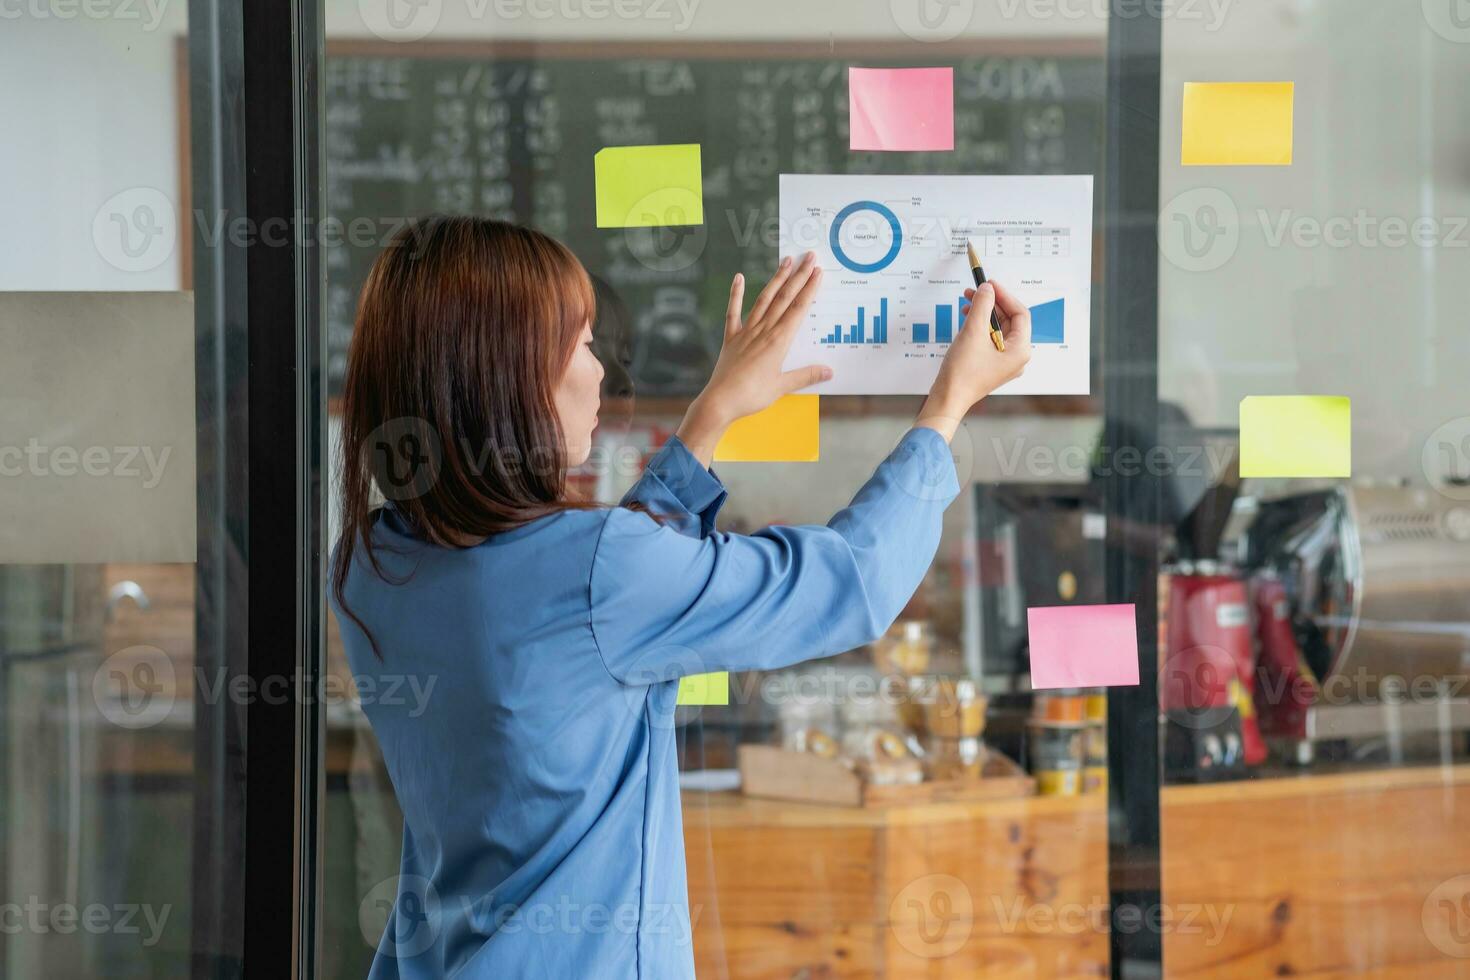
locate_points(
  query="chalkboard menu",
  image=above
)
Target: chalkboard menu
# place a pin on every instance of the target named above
(511, 132)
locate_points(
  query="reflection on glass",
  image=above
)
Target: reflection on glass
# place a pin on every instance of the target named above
(1314, 623)
(906, 808)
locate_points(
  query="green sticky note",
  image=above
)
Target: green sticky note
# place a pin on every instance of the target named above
(1296, 436)
(705, 688)
(649, 186)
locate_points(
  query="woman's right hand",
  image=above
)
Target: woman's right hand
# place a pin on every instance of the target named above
(973, 368)
(748, 374)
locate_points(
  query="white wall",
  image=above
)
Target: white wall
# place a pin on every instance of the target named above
(89, 112)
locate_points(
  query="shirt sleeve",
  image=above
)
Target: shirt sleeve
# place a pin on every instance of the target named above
(678, 486)
(665, 605)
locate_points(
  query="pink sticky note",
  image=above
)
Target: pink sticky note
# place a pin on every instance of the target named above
(1083, 646)
(901, 108)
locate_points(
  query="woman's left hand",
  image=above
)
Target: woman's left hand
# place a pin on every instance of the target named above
(748, 376)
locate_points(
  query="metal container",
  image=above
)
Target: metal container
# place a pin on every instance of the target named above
(1402, 601)
(1059, 707)
(1056, 753)
(1378, 579)
(1375, 582)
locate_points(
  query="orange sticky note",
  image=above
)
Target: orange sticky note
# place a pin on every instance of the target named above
(1237, 124)
(711, 688)
(789, 431)
(900, 108)
(1083, 646)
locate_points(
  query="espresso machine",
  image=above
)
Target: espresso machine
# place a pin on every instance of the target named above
(1361, 600)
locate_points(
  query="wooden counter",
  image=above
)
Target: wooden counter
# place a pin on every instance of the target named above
(1320, 875)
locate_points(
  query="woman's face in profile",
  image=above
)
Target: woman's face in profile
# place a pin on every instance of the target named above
(578, 399)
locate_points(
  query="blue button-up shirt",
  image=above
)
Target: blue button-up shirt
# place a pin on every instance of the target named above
(538, 777)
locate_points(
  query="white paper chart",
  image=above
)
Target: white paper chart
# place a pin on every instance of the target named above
(893, 253)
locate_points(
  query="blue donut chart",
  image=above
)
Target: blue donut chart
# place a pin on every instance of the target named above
(834, 236)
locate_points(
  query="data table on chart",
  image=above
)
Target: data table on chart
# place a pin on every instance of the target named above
(893, 250)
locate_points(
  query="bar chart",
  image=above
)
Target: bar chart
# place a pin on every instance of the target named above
(857, 329)
(947, 322)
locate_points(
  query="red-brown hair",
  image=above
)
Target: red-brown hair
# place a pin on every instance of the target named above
(464, 328)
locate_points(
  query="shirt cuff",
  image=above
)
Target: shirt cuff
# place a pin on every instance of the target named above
(932, 474)
(687, 482)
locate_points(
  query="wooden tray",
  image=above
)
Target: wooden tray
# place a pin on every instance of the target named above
(779, 774)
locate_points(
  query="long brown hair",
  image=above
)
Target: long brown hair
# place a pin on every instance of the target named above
(464, 329)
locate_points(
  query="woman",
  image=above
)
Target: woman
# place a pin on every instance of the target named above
(538, 780)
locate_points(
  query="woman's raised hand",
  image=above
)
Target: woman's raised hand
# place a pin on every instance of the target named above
(748, 376)
(973, 368)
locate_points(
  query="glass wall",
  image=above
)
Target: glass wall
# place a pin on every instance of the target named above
(120, 767)
(1316, 637)
(1267, 460)
(905, 808)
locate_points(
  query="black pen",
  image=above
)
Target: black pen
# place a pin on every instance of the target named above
(979, 273)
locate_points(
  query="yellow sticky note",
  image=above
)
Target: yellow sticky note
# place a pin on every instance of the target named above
(1296, 436)
(649, 186)
(1237, 123)
(789, 431)
(705, 688)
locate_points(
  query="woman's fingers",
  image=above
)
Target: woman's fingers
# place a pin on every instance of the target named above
(796, 312)
(1017, 317)
(982, 301)
(790, 289)
(804, 377)
(783, 269)
(732, 309)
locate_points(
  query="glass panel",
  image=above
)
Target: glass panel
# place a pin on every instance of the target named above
(944, 871)
(1316, 610)
(113, 860)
